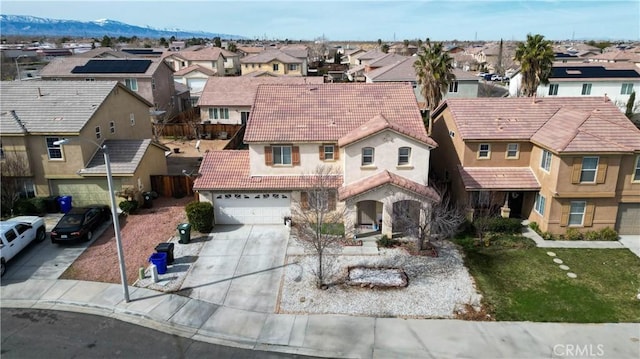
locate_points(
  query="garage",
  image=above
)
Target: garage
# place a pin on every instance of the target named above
(84, 191)
(251, 208)
(628, 221)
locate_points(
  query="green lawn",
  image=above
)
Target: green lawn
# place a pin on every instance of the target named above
(522, 283)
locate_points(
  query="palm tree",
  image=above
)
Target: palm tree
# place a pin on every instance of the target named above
(433, 73)
(536, 61)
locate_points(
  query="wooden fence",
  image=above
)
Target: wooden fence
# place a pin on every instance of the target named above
(206, 131)
(172, 186)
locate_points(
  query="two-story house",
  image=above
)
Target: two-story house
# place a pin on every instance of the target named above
(151, 78)
(219, 60)
(34, 115)
(228, 100)
(563, 162)
(372, 134)
(275, 62)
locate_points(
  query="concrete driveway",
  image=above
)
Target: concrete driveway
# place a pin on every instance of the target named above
(632, 242)
(240, 267)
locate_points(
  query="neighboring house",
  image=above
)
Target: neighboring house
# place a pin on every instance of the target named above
(228, 100)
(150, 78)
(274, 61)
(194, 77)
(465, 85)
(372, 134)
(616, 56)
(616, 81)
(221, 61)
(249, 50)
(351, 55)
(36, 114)
(570, 162)
(367, 57)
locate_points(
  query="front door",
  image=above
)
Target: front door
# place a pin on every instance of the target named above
(515, 204)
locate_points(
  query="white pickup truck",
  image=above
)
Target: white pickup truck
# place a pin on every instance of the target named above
(16, 233)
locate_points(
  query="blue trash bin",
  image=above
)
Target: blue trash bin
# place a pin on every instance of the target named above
(65, 203)
(160, 261)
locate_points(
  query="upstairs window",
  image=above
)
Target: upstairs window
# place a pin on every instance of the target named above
(282, 155)
(553, 89)
(586, 89)
(404, 156)
(112, 127)
(484, 150)
(132, 84)
(453, 86)
(276, 67)
(513, 150)
(132, 119)
(545, 162)
(589, 169)
(153, 83)
(626, 89)
(367, 156)
(540, 203)
(98, 133)
(636, 173)
(328, 153)
(54, 151)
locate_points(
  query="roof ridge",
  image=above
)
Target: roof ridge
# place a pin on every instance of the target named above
(577, 129)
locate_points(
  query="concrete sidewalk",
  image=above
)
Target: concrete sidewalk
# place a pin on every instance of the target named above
(324, 335)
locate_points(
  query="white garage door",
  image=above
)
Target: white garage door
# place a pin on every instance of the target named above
(251, 208)
(628, 218)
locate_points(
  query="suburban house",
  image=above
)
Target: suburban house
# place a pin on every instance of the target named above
(563, 162)
(228, 100)
(351, 55)
(371, 134)
(36, 114)
(221, 61)
(152, 79)
(275, 62)
(616, 81)
(194, 77)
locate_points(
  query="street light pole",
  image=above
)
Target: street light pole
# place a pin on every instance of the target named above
(114, 214)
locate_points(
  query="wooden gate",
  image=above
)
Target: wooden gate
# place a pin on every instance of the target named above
(172, 186)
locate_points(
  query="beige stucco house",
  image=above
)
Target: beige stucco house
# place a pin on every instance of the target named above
(36, 114)
(274, 61)
(563, 162)
(371, 134)
(221, 61)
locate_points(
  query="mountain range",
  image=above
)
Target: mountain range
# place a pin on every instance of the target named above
(11, 25)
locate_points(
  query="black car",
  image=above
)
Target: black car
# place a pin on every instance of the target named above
(80, 223)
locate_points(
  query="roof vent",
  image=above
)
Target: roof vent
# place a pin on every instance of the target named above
(313, 88)
(573, 72)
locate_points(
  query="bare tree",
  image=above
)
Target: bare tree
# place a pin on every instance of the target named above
(14, 169)
(160, 120)
(316, 218)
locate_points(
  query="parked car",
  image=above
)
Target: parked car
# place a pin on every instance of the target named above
(80, 223)
(496, 78)
(16, 233)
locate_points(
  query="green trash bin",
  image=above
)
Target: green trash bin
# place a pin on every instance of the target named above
(184, 229)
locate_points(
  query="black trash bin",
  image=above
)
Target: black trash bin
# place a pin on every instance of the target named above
(168, 249)
(147, 199)
(185, 232)
(51, 204)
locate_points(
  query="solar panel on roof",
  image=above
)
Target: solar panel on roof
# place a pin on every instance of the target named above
(142, 51)
(113, 66)
(567, 72)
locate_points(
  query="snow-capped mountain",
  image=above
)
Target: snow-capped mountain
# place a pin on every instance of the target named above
(37, 26)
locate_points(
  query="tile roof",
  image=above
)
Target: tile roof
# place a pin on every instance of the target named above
(241, 90)
(383, 178)
(125, 157)
(297, 51)
(327, 112)
(380, 123)
(250, 49)
(370, 55)
(404, 71)
(51, 106)
(544, 121)
(268, 56)
(207, 53)
(229, 170)
(62, 66)
(205, 70)
(498, 178)
(387, 59)
(616, 56)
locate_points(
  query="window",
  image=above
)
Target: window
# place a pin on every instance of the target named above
(636, 173)
(484, 150)
(218, 113)
(132, 84)
(404, 155)
(586, 89)
(98, 133)
(132, 118)
(90, 79)
(545, 163)
(54, 151)
(453, 86)
(367, 156)
(112, 127)
(589, 169)
(293, 67)
(153, 83)
(540, 203)
(276, 67)
(244, 117)
(627, 89)
(328, 152)
(281, 155)
(513, 150)
(553, 89)
(576, 213)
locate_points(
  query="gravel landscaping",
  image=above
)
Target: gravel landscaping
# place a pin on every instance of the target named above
(438, 287)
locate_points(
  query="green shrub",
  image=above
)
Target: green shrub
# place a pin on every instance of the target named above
(535, 227)
(200, 215)
(387, 242)
(39, 204)
(547, 236)
(336, 229)
(608, 234)
(128, 207)
(573, 234)
(591, 236)
(467, 228)
(24, 207)
(505, 225)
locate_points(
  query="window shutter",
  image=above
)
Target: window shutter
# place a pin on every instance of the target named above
(602, 170)
(304, 200)
(577, 168)
(336, 152)
(295, 155)
(332, 200)
(268, 156)
(588, 214)
(564, 220)
(321, 149)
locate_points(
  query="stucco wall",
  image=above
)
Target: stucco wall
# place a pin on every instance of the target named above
(610, 88)
(309, 160)
(235, 114)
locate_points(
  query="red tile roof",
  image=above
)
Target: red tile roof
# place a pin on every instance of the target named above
(229, 170)
(380, 123)
(386, 177)
(202, 69)
(327, 112)
(498, 178)
(562, 124)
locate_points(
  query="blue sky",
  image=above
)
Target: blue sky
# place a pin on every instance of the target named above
(361, 20)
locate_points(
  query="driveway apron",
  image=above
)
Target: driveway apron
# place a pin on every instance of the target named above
(240, 267)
